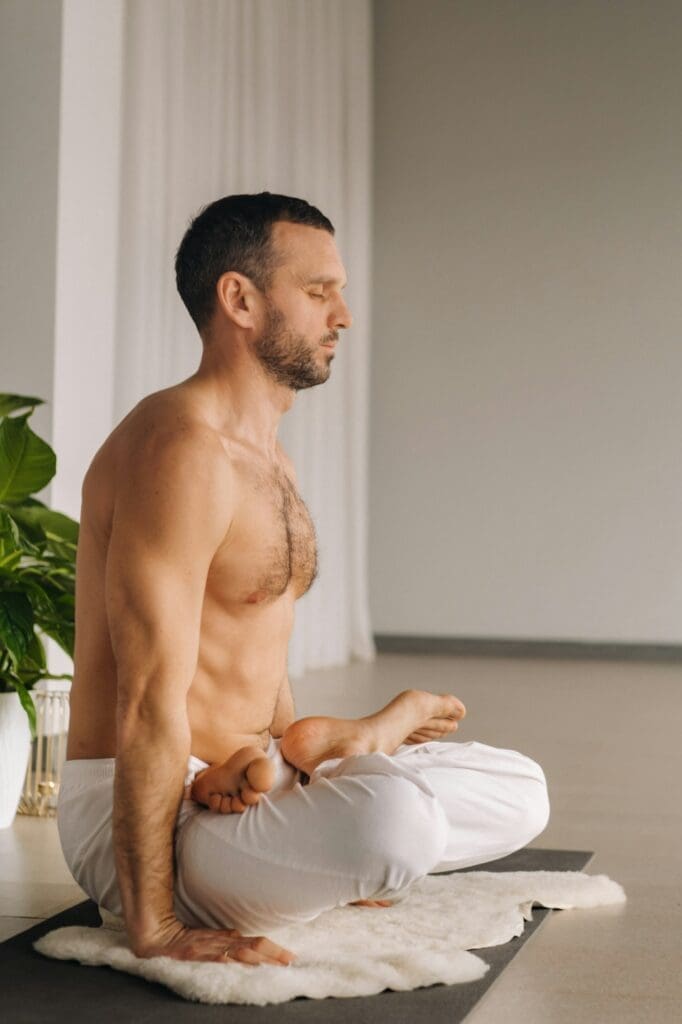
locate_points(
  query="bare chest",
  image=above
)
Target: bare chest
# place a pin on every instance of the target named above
(271, 547)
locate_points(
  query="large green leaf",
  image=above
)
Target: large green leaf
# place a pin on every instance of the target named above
(36, 652)
(10, 540)
(62, 633)
(25, 700)
(31, 532)
(11, 403)
(64, 550)
(51, 523)
(10, 562)
(16, 623)
(27, 463)
(41, 599)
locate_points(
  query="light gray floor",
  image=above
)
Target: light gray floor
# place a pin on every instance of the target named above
(608, 737)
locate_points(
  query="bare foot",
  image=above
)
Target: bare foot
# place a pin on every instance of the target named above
(410, 716)
(237, 783)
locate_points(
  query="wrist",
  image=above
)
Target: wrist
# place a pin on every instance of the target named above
(152, 934)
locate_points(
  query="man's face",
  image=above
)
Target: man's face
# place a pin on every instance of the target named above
(303, 312)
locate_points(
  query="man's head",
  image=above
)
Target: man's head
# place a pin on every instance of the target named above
(265, 269)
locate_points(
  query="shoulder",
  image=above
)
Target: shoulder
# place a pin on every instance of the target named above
(163, 422)
(163, 445)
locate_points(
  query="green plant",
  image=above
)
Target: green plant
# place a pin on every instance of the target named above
(37, 558)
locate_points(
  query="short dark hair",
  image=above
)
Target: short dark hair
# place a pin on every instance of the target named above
(235, 233)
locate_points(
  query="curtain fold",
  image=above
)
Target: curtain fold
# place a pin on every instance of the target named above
(232, 96)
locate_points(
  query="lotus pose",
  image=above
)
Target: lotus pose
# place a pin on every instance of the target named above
(193, 803)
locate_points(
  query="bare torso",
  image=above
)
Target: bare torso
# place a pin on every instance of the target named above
(267, 561)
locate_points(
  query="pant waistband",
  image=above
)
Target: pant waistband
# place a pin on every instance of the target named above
(97, 769)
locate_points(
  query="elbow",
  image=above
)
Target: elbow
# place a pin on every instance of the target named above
(147, 717)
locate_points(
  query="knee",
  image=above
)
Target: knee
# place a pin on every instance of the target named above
(533, 809)
(403, 832)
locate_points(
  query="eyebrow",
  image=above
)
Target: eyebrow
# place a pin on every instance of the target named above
(325, 280)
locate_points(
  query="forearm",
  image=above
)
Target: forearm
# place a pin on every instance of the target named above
(151, 759)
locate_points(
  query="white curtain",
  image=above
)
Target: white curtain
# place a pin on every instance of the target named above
(233, 96)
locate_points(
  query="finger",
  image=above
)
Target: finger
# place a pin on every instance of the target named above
(270, 948)
(228, 956)
(251, 956)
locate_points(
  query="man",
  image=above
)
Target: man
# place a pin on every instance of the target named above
(192, 803)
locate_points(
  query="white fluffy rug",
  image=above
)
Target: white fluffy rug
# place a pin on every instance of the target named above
(359, 951)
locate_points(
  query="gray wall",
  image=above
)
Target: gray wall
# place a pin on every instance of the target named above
(526, 412)
(30, 64)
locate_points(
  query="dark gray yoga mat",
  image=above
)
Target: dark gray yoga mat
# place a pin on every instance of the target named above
(37, 990)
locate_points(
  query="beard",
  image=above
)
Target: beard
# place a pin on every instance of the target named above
(288, 357)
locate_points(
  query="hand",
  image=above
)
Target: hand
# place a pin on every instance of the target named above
(224, 945)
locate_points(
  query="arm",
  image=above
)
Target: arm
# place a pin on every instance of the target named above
(174, 505)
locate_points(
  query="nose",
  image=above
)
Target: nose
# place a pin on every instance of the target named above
(341, 316)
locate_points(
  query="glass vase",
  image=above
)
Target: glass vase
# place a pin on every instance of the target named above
(48, 753)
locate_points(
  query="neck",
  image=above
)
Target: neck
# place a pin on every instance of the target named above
(239, 399)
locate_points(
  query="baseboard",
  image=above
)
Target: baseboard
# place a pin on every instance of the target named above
(387, 643)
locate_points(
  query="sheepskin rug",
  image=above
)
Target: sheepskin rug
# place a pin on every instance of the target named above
(359, 951)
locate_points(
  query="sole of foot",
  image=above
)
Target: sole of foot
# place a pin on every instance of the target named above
(237, 783)
(413, 716)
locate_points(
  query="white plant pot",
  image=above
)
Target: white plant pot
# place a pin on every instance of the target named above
(15, 747)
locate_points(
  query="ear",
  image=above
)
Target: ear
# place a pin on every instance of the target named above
(237, 299)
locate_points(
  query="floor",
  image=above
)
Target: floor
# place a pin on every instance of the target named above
(607, 735)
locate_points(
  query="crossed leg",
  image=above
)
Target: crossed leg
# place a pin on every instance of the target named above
(366, 826)
(414, 716)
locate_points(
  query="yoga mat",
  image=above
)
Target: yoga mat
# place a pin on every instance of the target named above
(38, 990)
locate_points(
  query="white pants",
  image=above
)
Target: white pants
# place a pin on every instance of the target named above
(363, 827)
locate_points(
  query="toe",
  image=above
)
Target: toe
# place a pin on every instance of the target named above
(248, 795)
(455, 708)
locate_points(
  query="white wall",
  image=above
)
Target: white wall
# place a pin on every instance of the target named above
(30, 66)
(526, 413)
